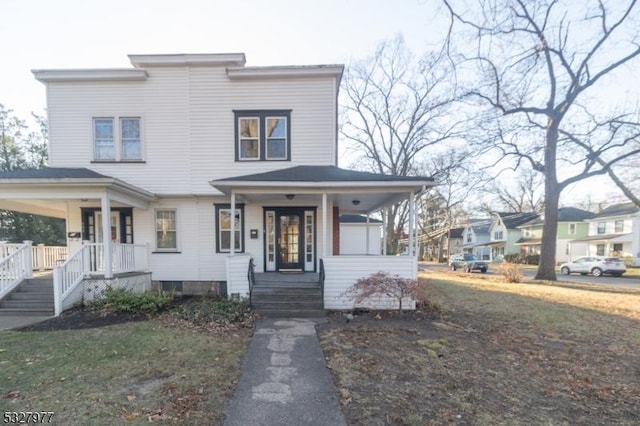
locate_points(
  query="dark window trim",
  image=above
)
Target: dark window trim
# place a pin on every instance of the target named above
(262, 115)
(85, 212)
(239, 206)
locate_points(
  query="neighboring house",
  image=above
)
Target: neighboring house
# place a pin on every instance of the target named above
(571, 226)
(455, 240)
(475, 238)
(615, 231)
(188, 166)
(504, 232)
(359, 235)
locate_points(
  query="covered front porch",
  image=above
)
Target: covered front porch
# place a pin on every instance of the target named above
(300, 230)
(60, 193)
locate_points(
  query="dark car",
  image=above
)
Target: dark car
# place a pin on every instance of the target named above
(467, 262)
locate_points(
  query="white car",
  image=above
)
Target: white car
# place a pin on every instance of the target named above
(594, 265)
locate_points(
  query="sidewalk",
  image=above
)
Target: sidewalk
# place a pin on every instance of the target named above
(284, 380)
(9, 323)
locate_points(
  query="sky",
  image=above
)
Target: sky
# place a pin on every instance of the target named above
(43, 34)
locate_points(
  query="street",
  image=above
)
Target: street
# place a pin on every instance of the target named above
(622, 282)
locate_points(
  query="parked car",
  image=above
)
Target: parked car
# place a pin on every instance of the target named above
(467, 262)
(594, 265)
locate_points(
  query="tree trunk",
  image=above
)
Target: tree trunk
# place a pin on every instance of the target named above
(547, 265)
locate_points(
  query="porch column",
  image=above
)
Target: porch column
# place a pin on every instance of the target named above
(384, 231)
(107, 243)
(367, 238)
(232, 241)
(325, 239)
(412, 211)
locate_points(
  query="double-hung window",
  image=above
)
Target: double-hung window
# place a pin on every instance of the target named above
(263, 135)
(104, 148)
(602, 228)
(619, 225)
(223, 228)
(123, 143)
(166, 230)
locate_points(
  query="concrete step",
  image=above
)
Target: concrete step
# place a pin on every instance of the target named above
(34, 289)
(287, 290)
(43, 304)
(26, 312)
(291, 313)
(31, 296)
(315, 305)
(295, 297)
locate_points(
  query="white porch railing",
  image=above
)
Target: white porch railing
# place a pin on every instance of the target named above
(46, 257)
(89, 261)
(15, 265)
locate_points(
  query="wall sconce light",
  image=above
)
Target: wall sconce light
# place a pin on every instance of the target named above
(355, 202)
(290, 196)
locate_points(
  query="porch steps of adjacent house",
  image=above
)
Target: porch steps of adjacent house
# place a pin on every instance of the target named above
(279, 295)
(32, 297)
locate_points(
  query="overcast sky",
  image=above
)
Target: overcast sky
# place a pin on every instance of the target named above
(100, 33)
(41, 34)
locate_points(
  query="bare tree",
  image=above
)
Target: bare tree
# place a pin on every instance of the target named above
(542, 67)
(394, 107)
(524, 194)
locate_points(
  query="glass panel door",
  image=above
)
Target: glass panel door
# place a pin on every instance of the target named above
(115, 227)
(290, 241)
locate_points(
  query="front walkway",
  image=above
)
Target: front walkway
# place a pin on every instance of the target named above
(11, 323)
(285, 380)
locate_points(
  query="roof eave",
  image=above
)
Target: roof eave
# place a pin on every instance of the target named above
(332, 70)
(89, 75)
(188, 59)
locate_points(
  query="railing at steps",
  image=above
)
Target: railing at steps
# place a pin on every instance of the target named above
(89, 261)
(251, 277)
(68, 276)
(322, 276)
(15, 266)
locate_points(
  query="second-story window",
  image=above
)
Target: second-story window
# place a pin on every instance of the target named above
(130, 138)
(602, 228)
(619, 225)
(572, 229)
(104, 148)
(112, 145)
(263, 135)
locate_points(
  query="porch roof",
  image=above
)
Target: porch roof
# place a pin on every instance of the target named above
(40, 191)
(350, 190)
(605, 238)
(528, 241)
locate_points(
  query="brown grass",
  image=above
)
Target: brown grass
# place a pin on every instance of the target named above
(499, 354)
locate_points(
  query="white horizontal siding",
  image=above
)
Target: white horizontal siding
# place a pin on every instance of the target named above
(162, 103)
(212, 100)
(341, 272)
(237, 269)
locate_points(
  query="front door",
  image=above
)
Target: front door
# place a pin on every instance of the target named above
(289, 241)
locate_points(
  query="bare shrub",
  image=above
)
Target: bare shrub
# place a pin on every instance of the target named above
(385, 284)
(511, 272)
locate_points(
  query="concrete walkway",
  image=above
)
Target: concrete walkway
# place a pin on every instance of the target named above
(285, 380)
(9, 323)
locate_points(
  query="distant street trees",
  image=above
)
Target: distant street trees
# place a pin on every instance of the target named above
(538, 72)
(24, 149)
(395, 107)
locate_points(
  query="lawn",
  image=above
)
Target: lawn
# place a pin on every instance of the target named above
(497, 353)
(133, 372)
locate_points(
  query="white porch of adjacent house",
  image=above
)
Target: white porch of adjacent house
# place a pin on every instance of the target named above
(357, 193)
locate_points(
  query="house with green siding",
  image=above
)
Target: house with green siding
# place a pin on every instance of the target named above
(504, 232)
(571, 226)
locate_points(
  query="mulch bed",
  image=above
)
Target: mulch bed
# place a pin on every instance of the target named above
(81, 318)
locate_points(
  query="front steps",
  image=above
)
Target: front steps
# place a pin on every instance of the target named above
(33, 297)
(287, 296)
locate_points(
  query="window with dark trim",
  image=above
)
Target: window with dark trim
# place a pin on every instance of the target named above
(619, 225)
(602, 228)
(223, 228)
(263, 135)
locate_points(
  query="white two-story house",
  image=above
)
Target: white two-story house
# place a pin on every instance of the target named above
(189, 166)
(475, 238)
(615, 231)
